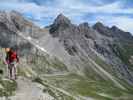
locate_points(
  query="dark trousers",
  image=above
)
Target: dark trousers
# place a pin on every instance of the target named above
(12, 70)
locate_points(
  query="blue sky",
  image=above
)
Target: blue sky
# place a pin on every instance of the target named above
(43, 12)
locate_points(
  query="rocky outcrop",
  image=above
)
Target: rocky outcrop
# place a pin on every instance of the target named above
(114, 32)
(131, 60)
(60, 23)
(10, 24)
(103, 29)
(83, 38)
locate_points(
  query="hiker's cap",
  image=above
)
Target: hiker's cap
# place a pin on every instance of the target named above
(7, 49)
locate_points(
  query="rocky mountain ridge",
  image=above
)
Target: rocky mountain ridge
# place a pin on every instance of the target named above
(97, 53)
(99, 38)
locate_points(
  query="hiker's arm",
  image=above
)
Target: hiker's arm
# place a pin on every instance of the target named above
(17, 58)
(6, 59)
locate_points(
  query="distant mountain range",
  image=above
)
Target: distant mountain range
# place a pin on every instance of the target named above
(99, 54)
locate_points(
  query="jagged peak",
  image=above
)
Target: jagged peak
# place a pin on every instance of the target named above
(9, 15)
(121, 32)
(15, 13)
(61, 15)
(61, 19)
(84, 24)
(114, 28)
(12, 12)
(98, 24)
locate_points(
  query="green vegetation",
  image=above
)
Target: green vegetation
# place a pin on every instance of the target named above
(58, 95)
(44, 64)
(92, 85)
(124, 52)
(78, 85)
(107, 67)
(7, 87)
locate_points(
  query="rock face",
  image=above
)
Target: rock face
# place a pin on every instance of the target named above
(131, 60)
(99, 38)
(103, 29)
(98, 51)
(61, 23)
(114, 32)
(10, 24)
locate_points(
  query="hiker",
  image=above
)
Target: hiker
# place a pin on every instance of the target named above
(11, 60)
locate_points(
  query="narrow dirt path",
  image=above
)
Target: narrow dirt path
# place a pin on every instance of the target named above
(28, 90)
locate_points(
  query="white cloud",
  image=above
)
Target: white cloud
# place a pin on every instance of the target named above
(74, 9)
(125, 23)
(68, 7)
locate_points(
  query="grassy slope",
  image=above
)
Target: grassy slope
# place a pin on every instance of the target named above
(124, 51)
(78, 85)
(45, 64)
(8, 87)
(91, 86)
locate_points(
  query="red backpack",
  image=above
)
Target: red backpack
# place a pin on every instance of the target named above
(12, 56)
